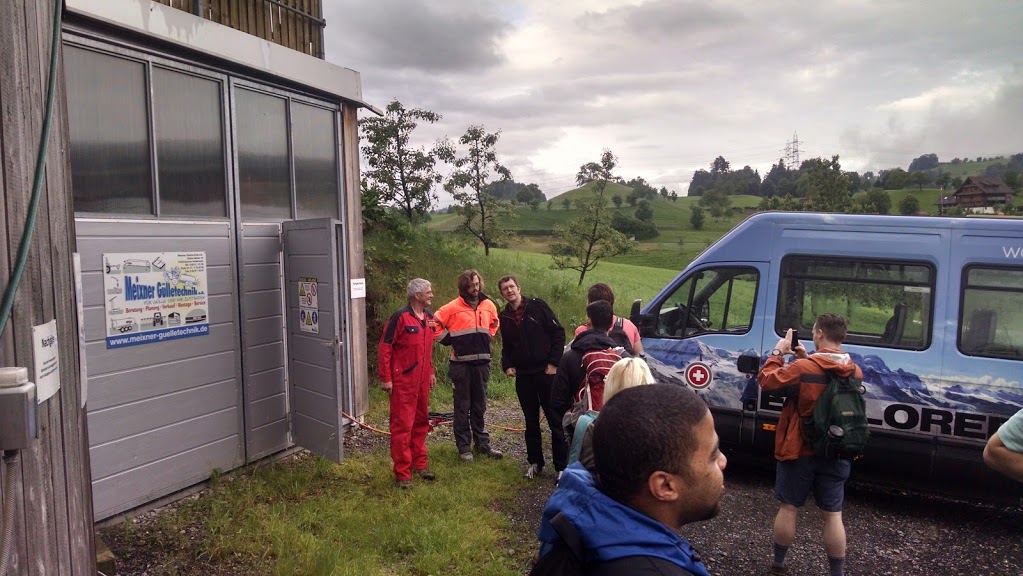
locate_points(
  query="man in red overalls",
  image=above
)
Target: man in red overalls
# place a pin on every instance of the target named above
(405, 367)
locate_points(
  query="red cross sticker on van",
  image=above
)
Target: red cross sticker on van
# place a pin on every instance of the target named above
(698, 375)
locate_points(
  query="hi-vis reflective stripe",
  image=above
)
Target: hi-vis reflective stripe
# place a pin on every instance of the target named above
(469, 331)
(470, 357)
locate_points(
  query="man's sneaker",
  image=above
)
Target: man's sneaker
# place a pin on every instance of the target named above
(405, 484)
(557, 479)
(466, 456)
(533, 471)
(425, 474)
(776, 570)
(488, 451)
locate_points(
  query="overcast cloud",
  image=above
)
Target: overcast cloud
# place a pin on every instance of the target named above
(669, 85)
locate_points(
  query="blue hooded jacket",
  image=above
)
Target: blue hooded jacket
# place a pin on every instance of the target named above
(610, 530)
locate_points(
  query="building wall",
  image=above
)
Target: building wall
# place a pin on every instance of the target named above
(166, 415)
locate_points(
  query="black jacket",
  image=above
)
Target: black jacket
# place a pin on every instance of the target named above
(570, 370)
(537, 341)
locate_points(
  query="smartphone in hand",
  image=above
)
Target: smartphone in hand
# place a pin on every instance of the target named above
(795, 339)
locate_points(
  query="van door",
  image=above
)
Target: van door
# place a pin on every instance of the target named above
(983, 355)
(697, 329)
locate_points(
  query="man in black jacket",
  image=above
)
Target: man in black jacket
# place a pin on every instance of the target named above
(533, 341)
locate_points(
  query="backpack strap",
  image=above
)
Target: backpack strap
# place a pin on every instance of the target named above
(619, 323)
(568, 534)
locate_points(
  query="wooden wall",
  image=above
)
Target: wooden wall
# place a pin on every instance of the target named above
(297, 24)
(53, 532)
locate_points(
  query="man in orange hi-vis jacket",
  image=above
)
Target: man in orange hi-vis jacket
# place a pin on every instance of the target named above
(469, 323)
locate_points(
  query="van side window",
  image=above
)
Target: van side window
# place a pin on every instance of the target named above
(887, 303)
(992, 312)
(713, 300)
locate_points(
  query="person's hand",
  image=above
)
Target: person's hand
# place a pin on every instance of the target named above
(550, 370)
(785, 344)
(433, 381)
(386, 387)
(510, 372)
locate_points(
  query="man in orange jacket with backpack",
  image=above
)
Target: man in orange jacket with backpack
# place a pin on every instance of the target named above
(801, 470)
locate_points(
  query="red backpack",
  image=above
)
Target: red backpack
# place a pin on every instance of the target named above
(595, 365)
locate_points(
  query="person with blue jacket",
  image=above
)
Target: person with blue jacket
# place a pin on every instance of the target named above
(658, 467)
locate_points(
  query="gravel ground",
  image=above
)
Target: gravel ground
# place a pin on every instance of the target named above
(889, 532)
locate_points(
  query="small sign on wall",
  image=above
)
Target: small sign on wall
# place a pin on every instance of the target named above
(46, 360)
(309, 305)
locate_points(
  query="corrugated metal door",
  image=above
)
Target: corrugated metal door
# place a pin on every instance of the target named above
(314, 290)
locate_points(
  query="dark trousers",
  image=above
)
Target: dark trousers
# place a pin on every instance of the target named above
(534, 392)
(469, 388)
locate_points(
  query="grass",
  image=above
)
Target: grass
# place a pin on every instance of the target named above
(308, 516)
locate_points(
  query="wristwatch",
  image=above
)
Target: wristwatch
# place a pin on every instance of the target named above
(776, 352)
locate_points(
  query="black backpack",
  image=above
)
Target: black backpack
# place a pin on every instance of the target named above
(837, 427)
(618, 334)
(566, 557)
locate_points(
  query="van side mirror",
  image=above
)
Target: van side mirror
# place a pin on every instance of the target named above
(748, 364)
(644, 322)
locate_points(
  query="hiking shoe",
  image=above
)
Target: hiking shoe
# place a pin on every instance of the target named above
(488, 451)
(533, 471)
(425, 474)
(405, 484)
(776, 570)
(466, 456)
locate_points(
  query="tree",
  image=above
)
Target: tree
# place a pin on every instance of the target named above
(957, 182)
(401, 174)
(919, 178)
(644, 212)
(617, 200)
(589, 237)
(481, 213)
(878, 201)
(696, 218)
(587, 173)
(717, 202)
(1012, 179)
(909, 205)
(925, 162)
(549, 204)
(719, 165)
(674, 196)
(534, 204)
(566, 203)
(826, 186)
(943, 180)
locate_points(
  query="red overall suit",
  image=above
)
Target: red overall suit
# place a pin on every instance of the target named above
(405, 359)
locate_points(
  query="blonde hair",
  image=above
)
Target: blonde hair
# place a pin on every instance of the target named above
(626, 373)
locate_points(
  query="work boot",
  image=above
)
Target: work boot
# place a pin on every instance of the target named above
(425, 474)
(533, 471)
(405, 484)
(466, 456)
(488, 451)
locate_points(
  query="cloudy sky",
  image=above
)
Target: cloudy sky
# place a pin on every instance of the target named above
(668, 85)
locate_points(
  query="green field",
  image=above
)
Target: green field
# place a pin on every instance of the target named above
(676, 245)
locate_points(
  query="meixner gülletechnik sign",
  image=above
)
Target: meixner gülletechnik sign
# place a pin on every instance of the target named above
(154, 297)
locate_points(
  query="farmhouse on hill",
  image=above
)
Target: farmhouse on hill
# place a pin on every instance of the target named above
(982, 193)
